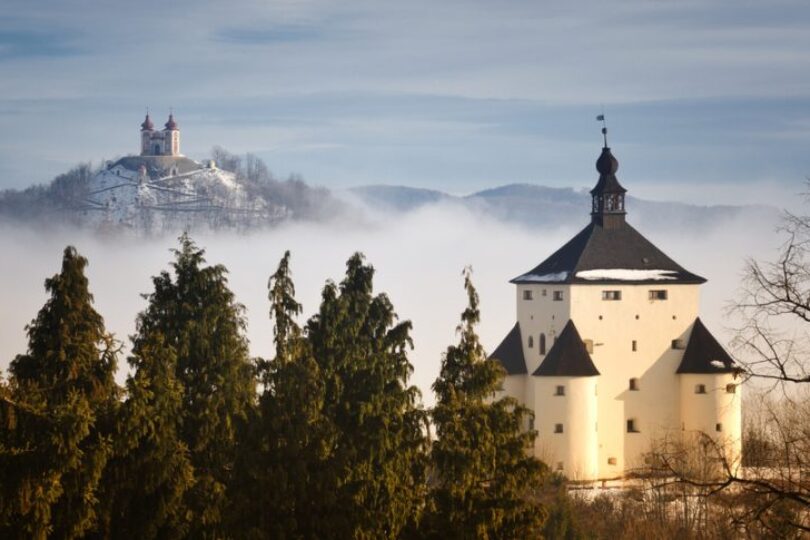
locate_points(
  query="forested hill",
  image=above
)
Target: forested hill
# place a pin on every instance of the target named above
(163, 194)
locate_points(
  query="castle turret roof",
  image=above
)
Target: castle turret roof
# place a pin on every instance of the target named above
(567, 357)
(704, 354)
(510, 353)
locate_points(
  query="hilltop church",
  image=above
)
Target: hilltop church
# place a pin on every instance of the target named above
(608, 350)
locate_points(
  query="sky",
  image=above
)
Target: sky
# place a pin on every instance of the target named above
(706, 101)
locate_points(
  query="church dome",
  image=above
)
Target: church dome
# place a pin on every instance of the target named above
(607, 164)
(171, 124)
(147, 124)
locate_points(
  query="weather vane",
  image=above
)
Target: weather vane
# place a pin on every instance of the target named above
(601, 118)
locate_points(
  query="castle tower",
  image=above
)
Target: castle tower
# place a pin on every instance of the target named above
(147, 132)
(171, 137)
(608, 350)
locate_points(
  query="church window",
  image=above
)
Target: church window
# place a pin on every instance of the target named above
(559, 391)
(527, 295)
(558, 296)
(542, 344)
(588, 345)
(631, 426)
(700, 388)
(531, 341)
(677, 344)
(731, 389)
(635, 345)
(633, 384)
(611, 461)
(718, 427)
(558, 428)
(611, 295)
(658, 295)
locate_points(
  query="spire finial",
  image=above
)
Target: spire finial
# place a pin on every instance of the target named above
(601, 118)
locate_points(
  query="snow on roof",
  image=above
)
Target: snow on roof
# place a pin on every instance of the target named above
(622, 274)
(544, 278)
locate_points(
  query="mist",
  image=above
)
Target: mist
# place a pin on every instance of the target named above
(418, 257)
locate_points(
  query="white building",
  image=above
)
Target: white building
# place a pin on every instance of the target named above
(160, 143)
(609, 352)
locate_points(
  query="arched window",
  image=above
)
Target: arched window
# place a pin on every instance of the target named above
(531, 341)
(157, 150)
(542, 344)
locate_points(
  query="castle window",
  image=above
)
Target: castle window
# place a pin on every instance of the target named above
(634, 345)
(633, 384)
(658, 295)
(558, 428)
(557, 296)
(611, 295)
(611, 461)
(542, 344)
(531, 341)
(731, 389)
(531, 423)
(588, 345)
(527, 295)
(718, 427)
(700, 388)
(677, 344)
(543, 293)
(631, 426)
(559, 465)
(559, 391)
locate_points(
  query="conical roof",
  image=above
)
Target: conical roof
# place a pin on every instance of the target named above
(510, 353)
(567, 357)
(704, 354)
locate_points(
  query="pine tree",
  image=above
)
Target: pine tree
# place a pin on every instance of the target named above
(198, 318)
(146, 482)
(375, 460)
(484, 479)
(58, 412)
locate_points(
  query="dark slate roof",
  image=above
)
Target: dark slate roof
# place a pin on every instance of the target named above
(568, 357)
(600, 248)
(702, 350)
(510, 353)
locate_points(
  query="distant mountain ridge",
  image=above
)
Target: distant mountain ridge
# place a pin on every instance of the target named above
(542, 206)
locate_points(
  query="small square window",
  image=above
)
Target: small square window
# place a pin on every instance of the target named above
(528, 295)
(700, 388)
(731, 389)
(558, 428)
(559, 465)
(531, 341)
(678, 344)
(611, 461)
(611, 295)
(658, 295)
(634, 345)
(718, 427)
(559, 391)
(557, 296)
(544, 292)
(631, 426)
(633, 384)
(588, 345)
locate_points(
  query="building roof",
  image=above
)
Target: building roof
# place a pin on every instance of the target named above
(704, 354)
(147, 124)
(171, 124)
(567, 357)
(608, 255)
(607, 165)
(510, 353)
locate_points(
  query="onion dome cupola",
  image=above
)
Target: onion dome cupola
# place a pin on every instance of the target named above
(147, 124)
(607, 208)
(171, 124)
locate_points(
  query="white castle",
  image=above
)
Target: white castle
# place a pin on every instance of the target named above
(608, 350)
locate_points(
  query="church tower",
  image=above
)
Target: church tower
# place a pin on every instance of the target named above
(147, 132)
(609, 352)
(171, 137)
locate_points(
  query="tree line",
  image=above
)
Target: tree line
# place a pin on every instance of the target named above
(327, 439)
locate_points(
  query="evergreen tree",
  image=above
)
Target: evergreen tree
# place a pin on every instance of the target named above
(196, 315)
(484, 479)
(375, 458)
(58, 412)
(146, 482)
